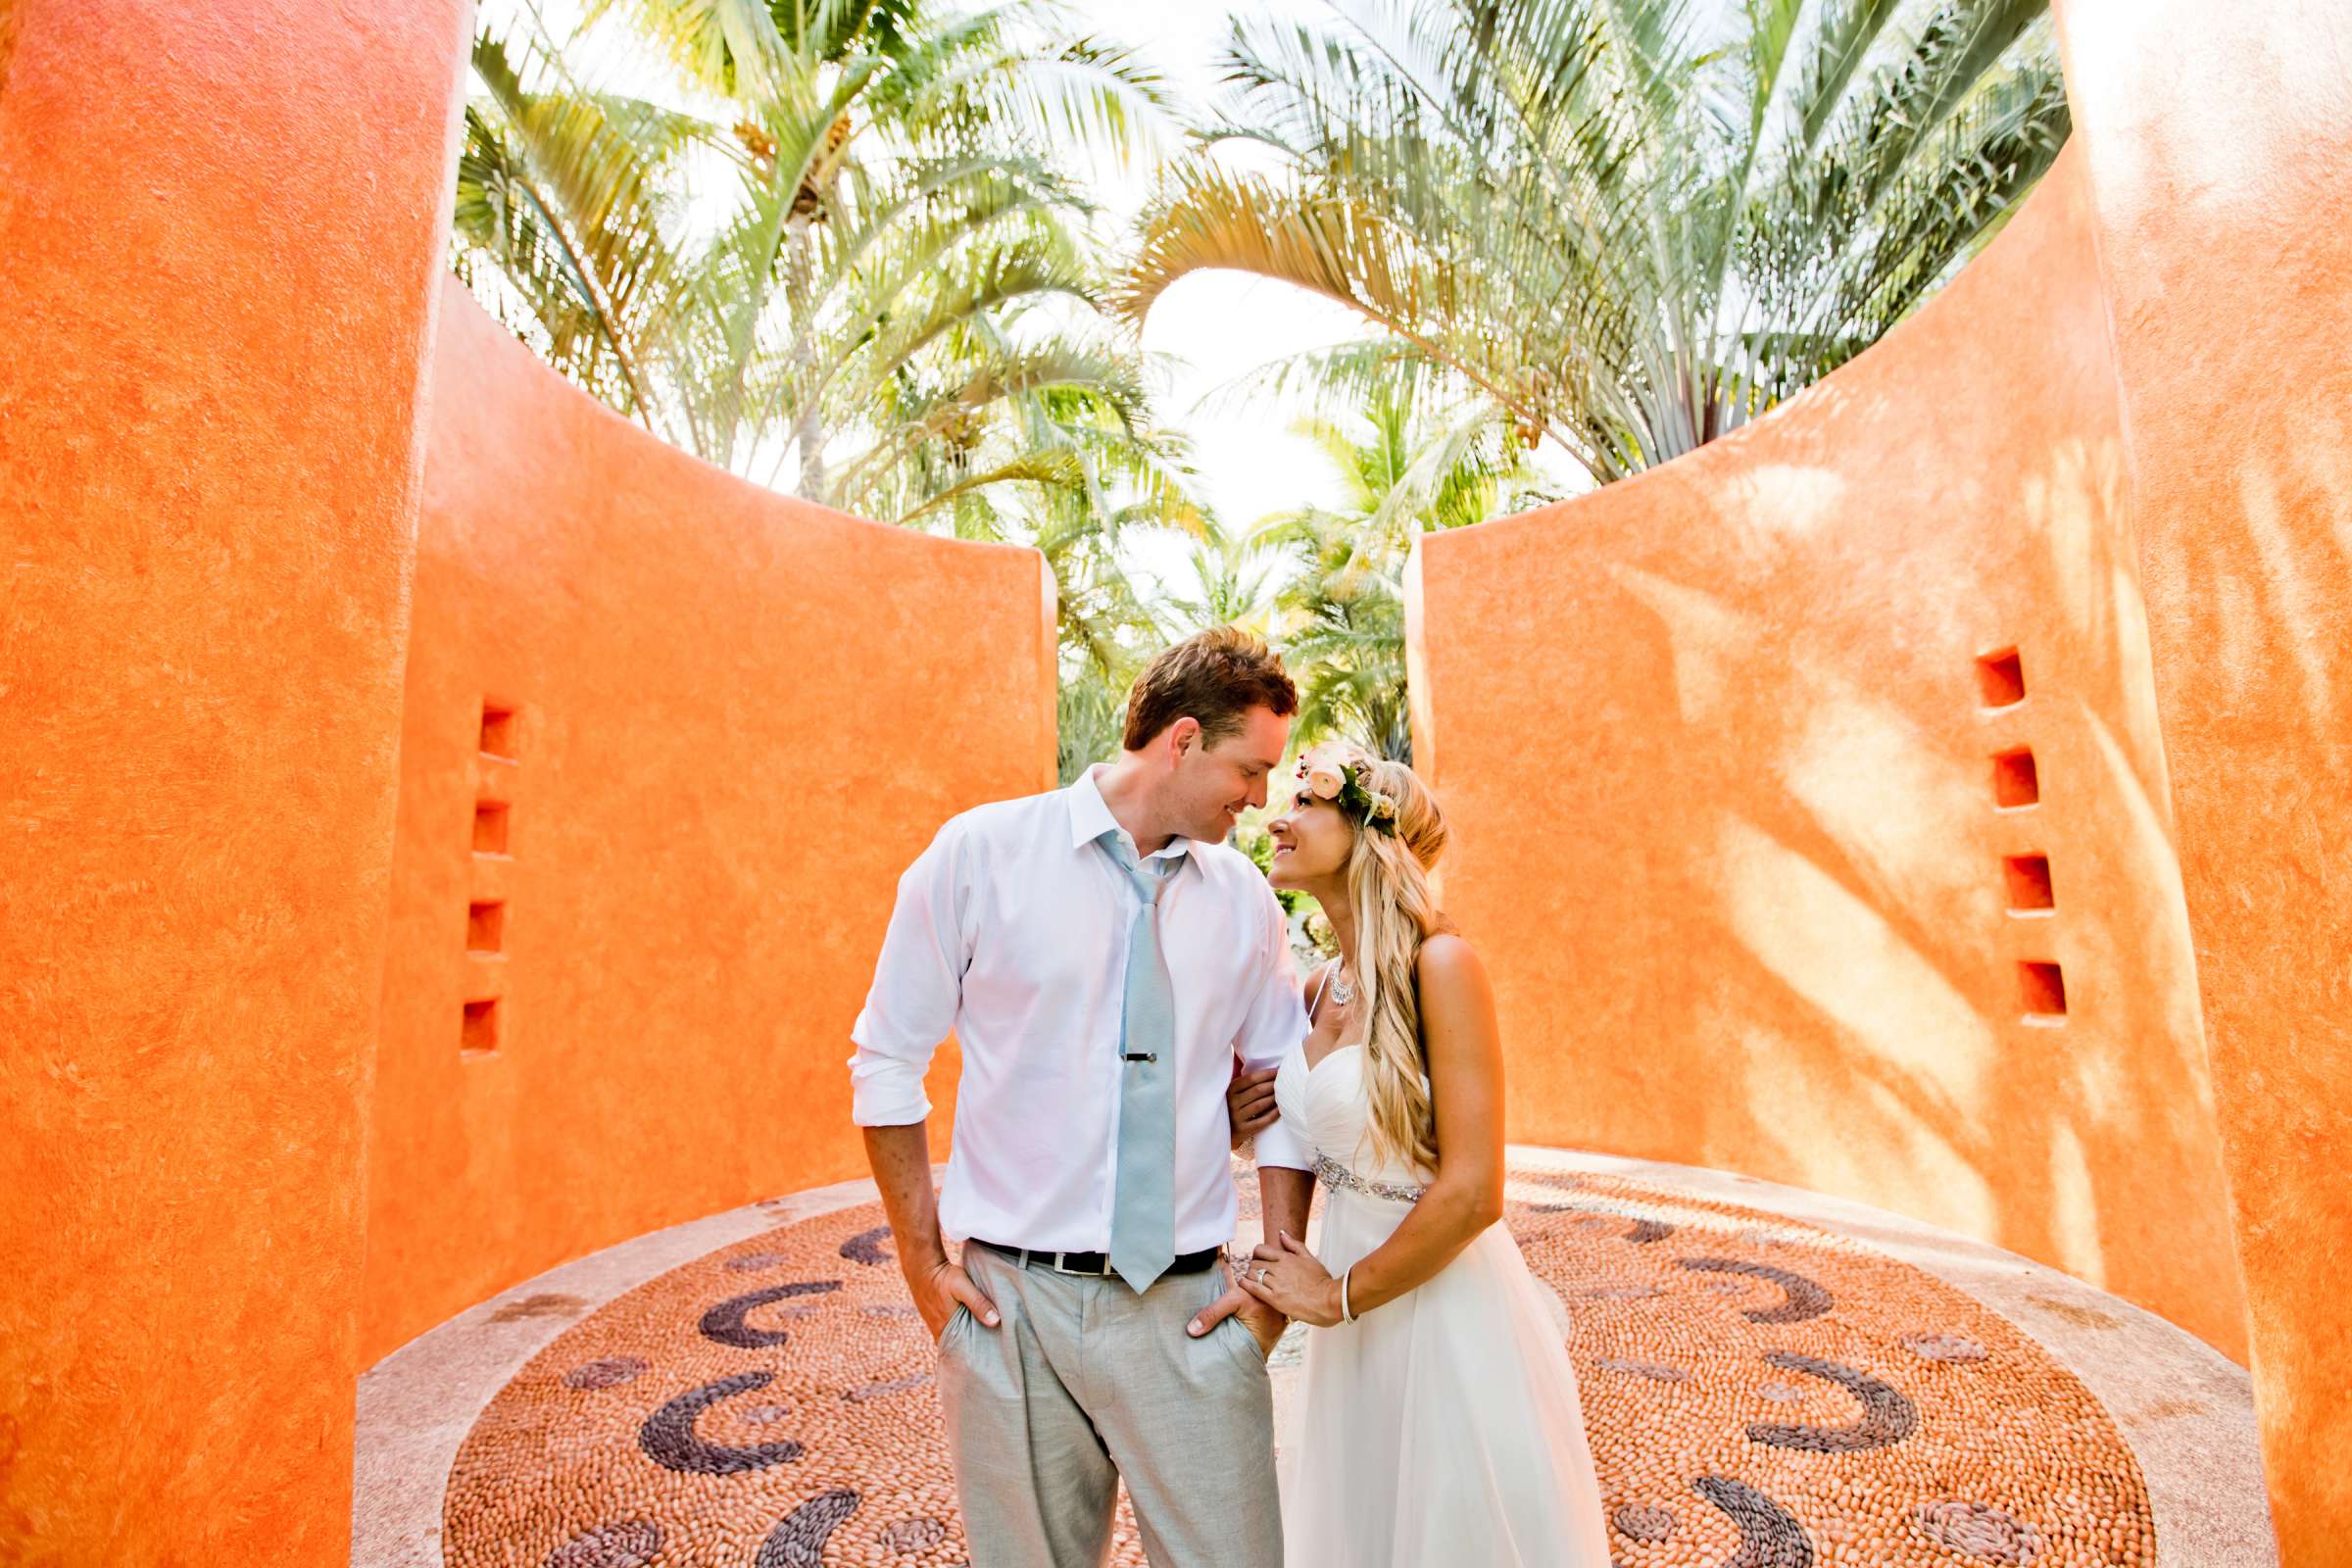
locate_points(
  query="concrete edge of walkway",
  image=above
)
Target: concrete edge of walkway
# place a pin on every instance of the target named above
(2186, 1410)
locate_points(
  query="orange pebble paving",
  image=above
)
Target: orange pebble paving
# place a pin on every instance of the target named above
(1757, 1390)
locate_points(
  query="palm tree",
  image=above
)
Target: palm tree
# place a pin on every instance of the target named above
(1107, 626)
(897, 304)
(1234, 576)
(1628, 232)
(1341, 610)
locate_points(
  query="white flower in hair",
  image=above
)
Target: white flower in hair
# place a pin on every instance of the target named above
(1324, 782)
(1382, 808)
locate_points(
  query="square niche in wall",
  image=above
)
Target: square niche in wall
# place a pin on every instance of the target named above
(490, 827)
(498, 730)
(480, 1036)
(2029, 881)
(2001, 679)
(2045, 992)
(2015, 780)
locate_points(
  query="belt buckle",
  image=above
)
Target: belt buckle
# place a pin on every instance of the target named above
(1103, 1273)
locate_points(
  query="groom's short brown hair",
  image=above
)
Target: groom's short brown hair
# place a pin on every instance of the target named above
(1214, 677)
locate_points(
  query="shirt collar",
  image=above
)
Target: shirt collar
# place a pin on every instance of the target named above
(1091, 819)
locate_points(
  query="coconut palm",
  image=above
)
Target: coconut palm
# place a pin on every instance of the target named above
(895, 307)
(1422, 453)
(1235, 579)
(1107, 628)
(1629, 232)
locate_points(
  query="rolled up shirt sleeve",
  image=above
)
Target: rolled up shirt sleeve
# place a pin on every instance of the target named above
(1276, 1021)
(918, 983)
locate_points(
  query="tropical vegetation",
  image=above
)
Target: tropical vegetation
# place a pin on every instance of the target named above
(845, 269)
(1422, 453)
(1631, 228)
(854, 252)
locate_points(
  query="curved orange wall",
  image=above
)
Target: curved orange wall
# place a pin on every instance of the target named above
(2219, 141)
(1720, 769)
(220, 230)
(737, 717)
(1712, 741)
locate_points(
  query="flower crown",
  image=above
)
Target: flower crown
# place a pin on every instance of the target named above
(1349, 787)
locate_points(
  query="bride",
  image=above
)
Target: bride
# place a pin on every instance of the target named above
(1436, 1419)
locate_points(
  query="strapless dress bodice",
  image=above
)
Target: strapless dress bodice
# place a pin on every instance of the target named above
(1329, 1104)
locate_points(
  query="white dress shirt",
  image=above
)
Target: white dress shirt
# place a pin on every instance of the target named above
(1011, 931)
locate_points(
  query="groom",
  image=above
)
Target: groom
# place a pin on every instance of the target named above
(1104, 959)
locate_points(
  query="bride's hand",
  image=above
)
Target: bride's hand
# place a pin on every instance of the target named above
(1284, 1275)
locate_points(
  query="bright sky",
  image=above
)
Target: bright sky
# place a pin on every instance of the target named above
(1211, 328)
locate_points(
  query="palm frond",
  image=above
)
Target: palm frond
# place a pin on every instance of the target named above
(1630, 240)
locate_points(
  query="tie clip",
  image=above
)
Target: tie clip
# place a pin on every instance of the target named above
(1142, 1056)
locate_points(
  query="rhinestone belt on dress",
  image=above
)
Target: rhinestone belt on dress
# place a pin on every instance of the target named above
(1331, 1173)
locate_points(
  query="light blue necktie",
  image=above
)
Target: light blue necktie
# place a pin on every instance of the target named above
(1143, 1215)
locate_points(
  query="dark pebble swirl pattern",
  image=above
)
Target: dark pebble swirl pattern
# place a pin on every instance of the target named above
(1800, 1297)
(724, 1323)
(1887, 1414)
(867, 1247)
(668, 1437)
(1770, 1536)
(626, 1544)
(800, 1540)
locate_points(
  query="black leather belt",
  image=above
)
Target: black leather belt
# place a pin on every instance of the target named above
(1095, 1264)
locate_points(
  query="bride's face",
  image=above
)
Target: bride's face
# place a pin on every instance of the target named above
(1311, 841)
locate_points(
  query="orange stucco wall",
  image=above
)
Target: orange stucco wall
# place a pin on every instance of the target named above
(2219, 142)
(737, 717)
(220, 230)
(244, 1151)
(1721, 770)
(1713, 741)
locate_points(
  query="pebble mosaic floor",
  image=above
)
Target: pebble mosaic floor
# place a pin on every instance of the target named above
(1760, 1393)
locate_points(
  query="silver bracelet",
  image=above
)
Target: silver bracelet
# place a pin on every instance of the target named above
(1345, 1316)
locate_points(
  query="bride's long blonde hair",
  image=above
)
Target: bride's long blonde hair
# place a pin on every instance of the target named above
(1387, 887)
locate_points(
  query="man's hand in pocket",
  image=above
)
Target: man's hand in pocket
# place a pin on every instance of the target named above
(939, 1288)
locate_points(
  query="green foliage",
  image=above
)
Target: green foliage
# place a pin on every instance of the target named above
(1093, 709)
(1422, 452)
(1629, 234)
(853, 269)
(880, 288)
(860, 263)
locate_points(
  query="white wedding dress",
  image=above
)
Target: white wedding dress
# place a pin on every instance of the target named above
(1443, 1427)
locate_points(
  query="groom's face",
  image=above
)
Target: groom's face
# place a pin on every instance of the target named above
(1215, 784)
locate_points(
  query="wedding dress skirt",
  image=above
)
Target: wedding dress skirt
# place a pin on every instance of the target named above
(1442, 1428)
